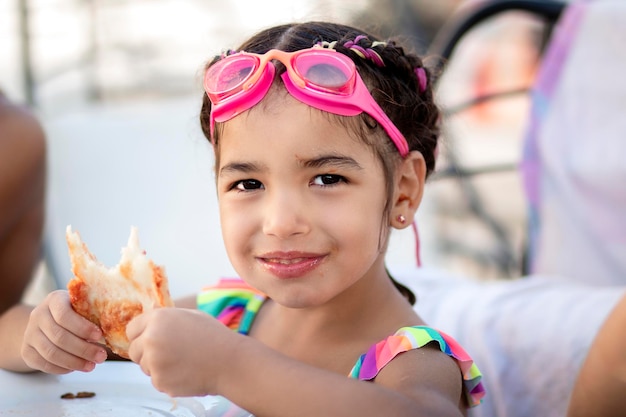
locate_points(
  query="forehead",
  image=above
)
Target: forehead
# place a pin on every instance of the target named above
(281, 121)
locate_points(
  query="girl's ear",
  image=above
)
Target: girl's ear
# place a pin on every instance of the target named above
(408, 191)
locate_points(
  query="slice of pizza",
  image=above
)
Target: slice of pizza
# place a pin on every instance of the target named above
(111, 297)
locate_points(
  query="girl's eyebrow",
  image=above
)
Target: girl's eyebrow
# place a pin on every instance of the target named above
(241, 167)
(338, 161)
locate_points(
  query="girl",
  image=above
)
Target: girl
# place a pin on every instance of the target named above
(323, 138)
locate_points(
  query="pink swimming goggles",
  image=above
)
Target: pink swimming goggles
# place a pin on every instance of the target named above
(319, 77)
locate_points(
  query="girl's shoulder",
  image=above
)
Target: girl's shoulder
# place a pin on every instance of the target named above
(408, 338)
(231, 301)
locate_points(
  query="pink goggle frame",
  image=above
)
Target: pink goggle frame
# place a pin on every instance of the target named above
(319, 77)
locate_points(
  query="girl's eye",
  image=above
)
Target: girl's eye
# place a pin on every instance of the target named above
(247, 185)
(327, 179)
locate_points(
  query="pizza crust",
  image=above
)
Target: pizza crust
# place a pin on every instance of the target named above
(111, 297)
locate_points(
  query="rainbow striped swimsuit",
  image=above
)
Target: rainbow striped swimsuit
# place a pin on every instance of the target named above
(235, 304)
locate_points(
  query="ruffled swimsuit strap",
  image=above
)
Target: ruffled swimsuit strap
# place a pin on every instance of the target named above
(409, 338)
(233, 302)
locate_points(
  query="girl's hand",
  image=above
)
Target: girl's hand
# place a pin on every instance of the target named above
(182, 350)
(58, 340)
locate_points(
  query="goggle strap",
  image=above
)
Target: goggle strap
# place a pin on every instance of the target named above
(372, 108)
(308, 96)
(416, 234)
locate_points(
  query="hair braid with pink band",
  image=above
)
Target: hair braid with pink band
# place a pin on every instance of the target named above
(372, 55)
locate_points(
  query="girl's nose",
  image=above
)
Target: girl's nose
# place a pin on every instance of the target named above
(285, 215)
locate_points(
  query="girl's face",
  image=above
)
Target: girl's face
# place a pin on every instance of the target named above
(301, 202)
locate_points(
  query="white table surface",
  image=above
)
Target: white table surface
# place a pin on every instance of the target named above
(120, 388)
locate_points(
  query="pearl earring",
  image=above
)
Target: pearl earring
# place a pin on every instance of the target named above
(401, 219)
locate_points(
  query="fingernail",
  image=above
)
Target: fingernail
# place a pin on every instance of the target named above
(89, 366)
(96, 335)
(101, 356)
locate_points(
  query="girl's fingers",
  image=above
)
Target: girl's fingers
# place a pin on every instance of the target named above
(62, 312)
(36, 361)
(134, 329)
(136, 326)
(56, 339)
(66, 341)
(42, 354)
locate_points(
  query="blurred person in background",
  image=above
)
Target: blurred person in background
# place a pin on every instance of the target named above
(22, 192)
(601, 383)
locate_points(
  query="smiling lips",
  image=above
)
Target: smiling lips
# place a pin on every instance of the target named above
(290, 264)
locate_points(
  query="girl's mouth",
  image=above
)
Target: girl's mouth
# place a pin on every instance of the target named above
(290, 264)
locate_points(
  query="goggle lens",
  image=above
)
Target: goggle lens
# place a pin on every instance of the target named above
(228, 76)
(331, 74)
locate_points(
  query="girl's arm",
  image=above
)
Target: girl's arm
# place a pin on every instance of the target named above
(600, 387)
(189, 353)
(271, 384)
(12, 325)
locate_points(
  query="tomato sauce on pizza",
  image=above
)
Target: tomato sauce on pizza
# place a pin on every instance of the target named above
(112, 297)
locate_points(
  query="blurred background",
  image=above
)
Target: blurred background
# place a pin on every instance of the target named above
(117, 86)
